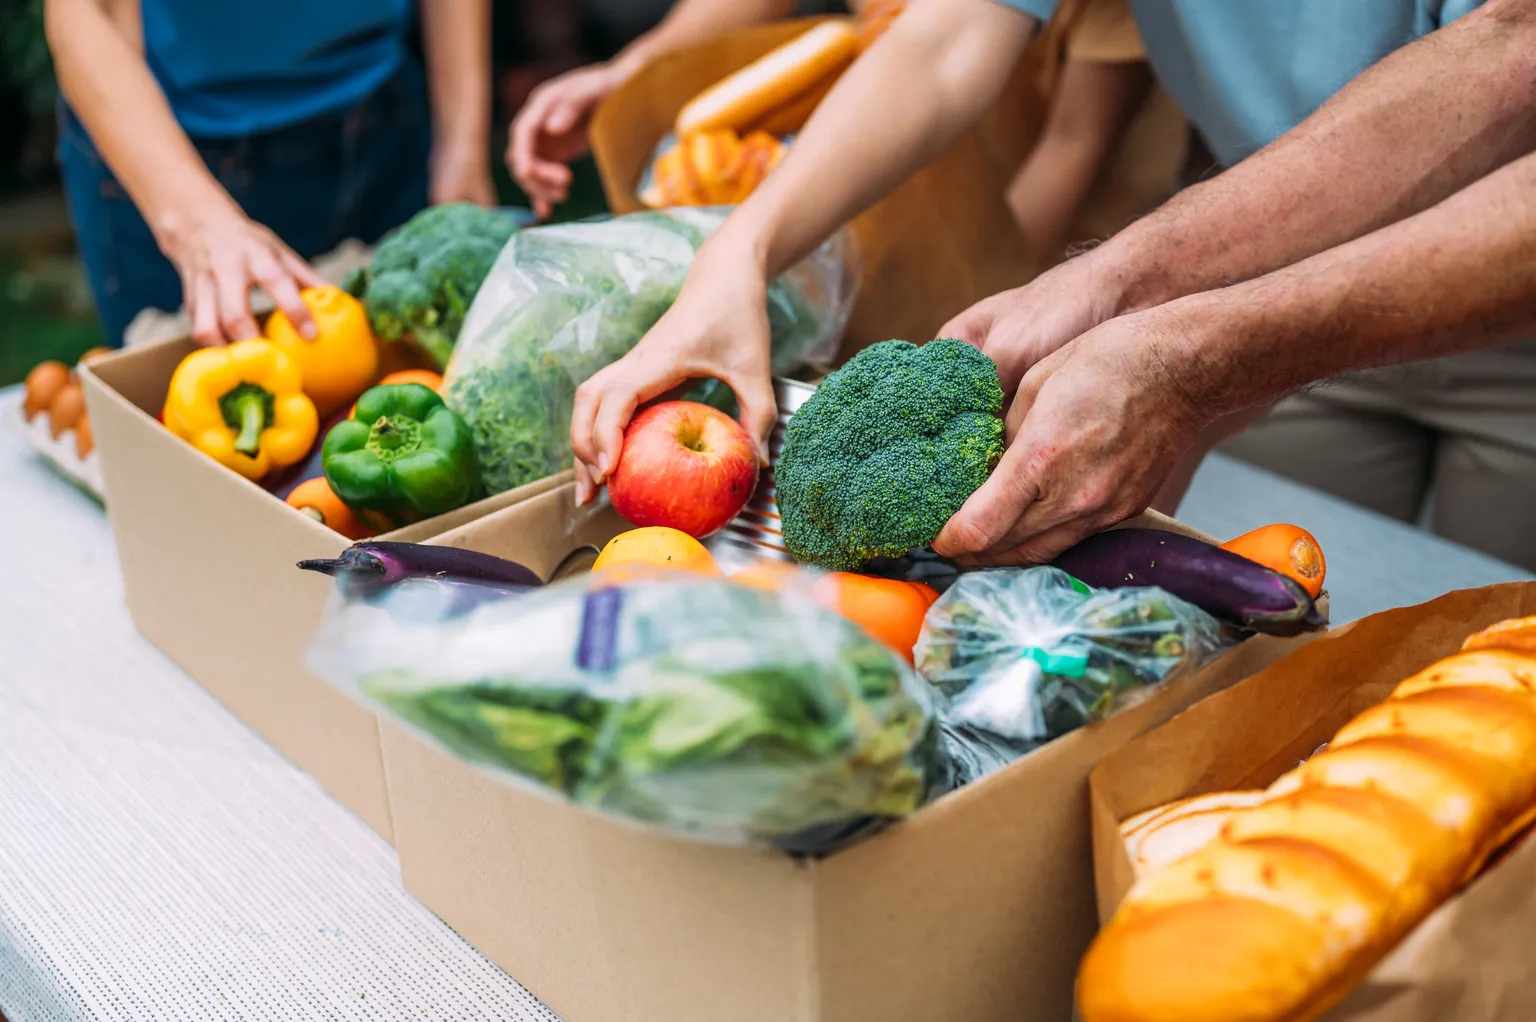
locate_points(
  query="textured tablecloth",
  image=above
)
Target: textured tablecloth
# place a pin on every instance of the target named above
(158, 861)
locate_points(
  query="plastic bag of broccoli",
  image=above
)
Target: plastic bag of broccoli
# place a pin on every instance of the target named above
(563, 301)
(694, 705)
(1027, 655)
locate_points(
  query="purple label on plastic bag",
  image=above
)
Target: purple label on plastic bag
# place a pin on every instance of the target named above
(597, 646)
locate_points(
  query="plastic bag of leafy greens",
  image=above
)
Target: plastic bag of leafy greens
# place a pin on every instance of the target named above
(689, 704)
(564, 301)
(1029, 654)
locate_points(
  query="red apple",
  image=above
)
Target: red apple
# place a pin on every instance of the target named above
(685, 466)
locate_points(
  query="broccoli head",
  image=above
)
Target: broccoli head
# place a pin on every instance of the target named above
(424, 276)
(886, 450)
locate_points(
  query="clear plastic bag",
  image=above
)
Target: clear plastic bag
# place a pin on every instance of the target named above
(1029, 654)
(695, 705)
(564, 301)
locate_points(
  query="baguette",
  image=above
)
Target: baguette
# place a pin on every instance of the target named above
(1294, 899)
(777, 78)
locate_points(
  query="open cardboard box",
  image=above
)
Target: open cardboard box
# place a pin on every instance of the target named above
(1471, 960)
(208, 561)
(976, 908)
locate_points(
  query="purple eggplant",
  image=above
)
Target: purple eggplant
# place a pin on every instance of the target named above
(368, 568)
(1219, 582)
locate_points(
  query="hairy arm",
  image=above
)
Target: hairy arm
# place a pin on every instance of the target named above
(1419, 125)
(941, 64)
(1456, 277)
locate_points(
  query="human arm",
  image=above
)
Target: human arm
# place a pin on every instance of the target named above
(552, 126)
(942, 63)
(219, 252)
(1096, 426)
(456, 37)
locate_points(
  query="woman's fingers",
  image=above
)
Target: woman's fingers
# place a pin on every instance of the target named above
(276, 281)
(203, 309)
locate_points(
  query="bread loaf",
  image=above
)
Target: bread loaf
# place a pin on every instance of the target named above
(1283, 907)
(747, 96)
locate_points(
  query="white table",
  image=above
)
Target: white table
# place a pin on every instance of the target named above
(158, 861)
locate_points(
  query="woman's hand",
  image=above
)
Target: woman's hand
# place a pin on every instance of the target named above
(221, 256)
(717, 329)
(551, 130)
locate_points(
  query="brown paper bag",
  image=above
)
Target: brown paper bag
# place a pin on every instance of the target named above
(946, 238)
(1472, 959)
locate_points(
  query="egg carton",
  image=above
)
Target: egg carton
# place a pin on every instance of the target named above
(60, 452)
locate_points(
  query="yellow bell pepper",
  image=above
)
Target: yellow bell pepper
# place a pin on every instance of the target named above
(243, 406)
(343, 359)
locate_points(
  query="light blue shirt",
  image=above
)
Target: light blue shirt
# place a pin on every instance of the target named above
(1247, 71)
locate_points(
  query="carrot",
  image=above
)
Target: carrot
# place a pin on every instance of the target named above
(315, 498)
(1288, 549)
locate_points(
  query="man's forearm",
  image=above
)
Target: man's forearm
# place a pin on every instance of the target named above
(696, 21)
(929, 78)
(456, 37)
(110, 88)
(1422, 123)
(1457, 277)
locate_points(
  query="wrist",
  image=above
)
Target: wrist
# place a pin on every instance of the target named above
(1129, 271)
(176, 221)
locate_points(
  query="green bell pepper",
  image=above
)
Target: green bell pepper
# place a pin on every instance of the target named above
(403, 454)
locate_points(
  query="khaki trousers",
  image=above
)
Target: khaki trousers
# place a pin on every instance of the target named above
(1459, 429)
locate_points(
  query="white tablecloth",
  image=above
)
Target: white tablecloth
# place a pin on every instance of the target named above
(158, 861)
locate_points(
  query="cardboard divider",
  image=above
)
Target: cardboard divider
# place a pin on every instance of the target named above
(209, 571)
(977, 907)
(1470, 960)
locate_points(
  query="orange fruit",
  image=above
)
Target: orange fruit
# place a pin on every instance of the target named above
(890, 610)
(656, 547)
(770, 575)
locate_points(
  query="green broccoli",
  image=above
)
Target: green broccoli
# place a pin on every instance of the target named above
(886, 450)
(424, 276)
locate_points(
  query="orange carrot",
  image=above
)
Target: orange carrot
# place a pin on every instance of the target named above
(315, 498)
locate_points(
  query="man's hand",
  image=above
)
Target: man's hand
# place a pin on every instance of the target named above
(717, 329)
(551, 130)
(1019, 328)
(460, 172)
(1095, 428)
(221, 256)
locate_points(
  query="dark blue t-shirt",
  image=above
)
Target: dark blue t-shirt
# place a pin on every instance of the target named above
(239, 67)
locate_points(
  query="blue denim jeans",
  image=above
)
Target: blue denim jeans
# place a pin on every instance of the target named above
(353, 174)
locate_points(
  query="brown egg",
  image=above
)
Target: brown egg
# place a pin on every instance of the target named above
(43, 385)
(67, 409)
(94, 354)
(85, 440)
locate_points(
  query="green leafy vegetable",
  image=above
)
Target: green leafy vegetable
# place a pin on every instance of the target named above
(577, 297)
(423, 277)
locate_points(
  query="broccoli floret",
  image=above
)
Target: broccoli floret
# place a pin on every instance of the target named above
(887, 450)
(424, 276)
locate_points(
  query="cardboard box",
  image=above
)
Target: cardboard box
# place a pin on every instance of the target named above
(946, 237)
(976, 908)
(1471, 960)
(208, 569)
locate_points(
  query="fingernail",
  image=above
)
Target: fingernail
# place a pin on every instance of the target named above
(310, 331)
(581, 492)
(602, 465)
